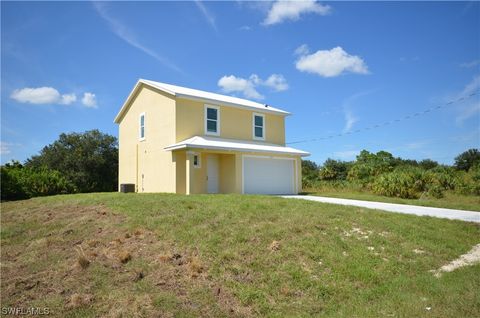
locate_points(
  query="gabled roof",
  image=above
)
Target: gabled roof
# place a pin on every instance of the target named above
(213, 143)
(195, 94)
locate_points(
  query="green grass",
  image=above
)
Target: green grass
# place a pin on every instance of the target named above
(449, 201)
(333, 260)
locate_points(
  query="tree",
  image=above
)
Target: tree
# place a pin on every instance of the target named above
(428, 164)
(334, 170)
(89, 160)
(309, 168)
(309, 173)
(467, 159)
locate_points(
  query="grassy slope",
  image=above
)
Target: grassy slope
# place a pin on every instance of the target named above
(323, 264)
(450, 201)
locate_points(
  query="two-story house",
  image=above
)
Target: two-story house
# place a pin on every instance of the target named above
(181, 140)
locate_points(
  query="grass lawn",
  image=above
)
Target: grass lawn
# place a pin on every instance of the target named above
(162, 255)
(449, 201)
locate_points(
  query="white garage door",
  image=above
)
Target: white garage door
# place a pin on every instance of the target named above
(268, 176)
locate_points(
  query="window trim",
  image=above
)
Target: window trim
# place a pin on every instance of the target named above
(140, 138)
(263, 127)
(199, 160)
(218, 120)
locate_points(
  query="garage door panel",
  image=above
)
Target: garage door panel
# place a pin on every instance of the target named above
(268, 176)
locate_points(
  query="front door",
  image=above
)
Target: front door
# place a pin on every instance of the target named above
(212, 173)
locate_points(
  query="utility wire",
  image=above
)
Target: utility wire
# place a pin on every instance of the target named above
(407, 117)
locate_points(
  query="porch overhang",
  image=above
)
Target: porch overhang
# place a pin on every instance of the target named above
(220, 144)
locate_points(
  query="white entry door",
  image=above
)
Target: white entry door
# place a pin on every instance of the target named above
(268, 175)
(212, 173)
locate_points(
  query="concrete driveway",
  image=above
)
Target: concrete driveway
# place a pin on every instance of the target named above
(462, 215)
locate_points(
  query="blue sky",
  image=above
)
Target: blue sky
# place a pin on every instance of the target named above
(337, 66)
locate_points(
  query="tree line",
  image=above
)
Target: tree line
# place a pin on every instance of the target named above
(76, 162)
(384, 174)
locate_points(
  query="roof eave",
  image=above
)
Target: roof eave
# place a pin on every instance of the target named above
(185, 146)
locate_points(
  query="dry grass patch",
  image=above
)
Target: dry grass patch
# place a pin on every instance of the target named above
(124, 256)
(98, 267)
(274, 246)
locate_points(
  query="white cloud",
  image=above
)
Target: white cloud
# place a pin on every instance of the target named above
(347, 106)
(330, 63)
(281, 11)
(248, 87)
(302, 50)
(5, 148)
(346, 155)
(207, 14)
(469, 108)
(67, 99)
(350, 120)
(468, 112)
(231, 84)
(245, 28)
(50, 95)
(471, 87)
(470, 64)
(277, 82)
(40, 95)
(127, 35)
(89, 100)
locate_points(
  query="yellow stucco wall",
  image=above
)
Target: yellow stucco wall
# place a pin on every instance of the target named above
(227, 173)
(147, 158)
(235, 123)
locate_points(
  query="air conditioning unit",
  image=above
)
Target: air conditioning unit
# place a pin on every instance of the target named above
(127, 187)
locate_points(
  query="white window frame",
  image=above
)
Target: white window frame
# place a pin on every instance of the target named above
(263, 127)
(199, 160)
(140, 138)
(218, 120)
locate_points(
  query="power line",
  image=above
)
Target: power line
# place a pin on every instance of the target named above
(406, 117)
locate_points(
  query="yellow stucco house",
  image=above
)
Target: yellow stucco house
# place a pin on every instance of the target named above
(181, 140)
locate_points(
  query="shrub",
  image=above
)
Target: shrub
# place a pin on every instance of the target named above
(19, 182)
(469, 182)
(443, 176)
(11, 186)
(407, 183)
(435, 191)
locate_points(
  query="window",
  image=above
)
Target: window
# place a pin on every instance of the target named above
(141, 128)
(196, 161)
(259, 126)
(212, 120)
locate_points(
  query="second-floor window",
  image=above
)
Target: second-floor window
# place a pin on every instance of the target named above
(141, 127)
(212, 120)
(259, 126)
